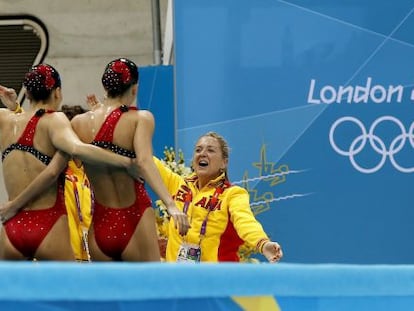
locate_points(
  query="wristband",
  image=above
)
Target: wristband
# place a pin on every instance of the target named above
(18, 109)
(260, 244)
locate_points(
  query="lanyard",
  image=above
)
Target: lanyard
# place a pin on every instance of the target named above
(211, 206)
(187, 200)
(71, 176)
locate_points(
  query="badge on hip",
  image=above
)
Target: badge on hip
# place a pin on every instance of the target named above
(85, 244)
(190, 253)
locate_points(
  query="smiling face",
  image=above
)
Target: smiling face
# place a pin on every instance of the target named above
(208, 159)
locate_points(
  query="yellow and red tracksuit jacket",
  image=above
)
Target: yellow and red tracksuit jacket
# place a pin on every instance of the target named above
(78, 201)
(229, 224)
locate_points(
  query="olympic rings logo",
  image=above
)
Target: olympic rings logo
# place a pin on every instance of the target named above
(375, 142)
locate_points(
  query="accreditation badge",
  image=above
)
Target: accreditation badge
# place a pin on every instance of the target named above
(189, 253)
(85, 244)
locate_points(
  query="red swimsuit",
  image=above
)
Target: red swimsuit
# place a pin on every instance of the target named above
(114, 227)
(27, 229)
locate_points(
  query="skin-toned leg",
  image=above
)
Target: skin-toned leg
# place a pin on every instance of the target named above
(143, 245)
(7, 250)
(56, 245)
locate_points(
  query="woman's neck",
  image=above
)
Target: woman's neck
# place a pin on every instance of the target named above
(202, 182)
(43, 105)
(117, 102)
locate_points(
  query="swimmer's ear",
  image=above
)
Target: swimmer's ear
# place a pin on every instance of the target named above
(134, 89)
(58, 94)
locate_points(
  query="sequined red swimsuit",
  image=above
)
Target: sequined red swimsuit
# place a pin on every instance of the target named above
(27, 229)
(114, 227)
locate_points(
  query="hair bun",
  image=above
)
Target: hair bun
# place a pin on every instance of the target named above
(41, 80)
(118, 76)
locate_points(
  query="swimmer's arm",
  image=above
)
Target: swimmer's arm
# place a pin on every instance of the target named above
(42, 181)
(64, 138)
(8, 97)
(144, 161)
(148, 169)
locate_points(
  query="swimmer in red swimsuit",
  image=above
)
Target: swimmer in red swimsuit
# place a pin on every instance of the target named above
(113, 240)
(35, 223)
(27, 231)
(123, 224)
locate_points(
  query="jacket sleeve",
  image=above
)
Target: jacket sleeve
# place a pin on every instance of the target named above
(241, 215)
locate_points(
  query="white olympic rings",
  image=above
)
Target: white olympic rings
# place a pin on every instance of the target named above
(375, 142)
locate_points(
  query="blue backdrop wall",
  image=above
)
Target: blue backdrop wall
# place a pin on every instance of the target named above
(156, 93)
(316, 101)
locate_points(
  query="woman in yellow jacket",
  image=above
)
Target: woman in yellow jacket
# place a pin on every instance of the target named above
(79, 206)
(220, 216)
(78, 198)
